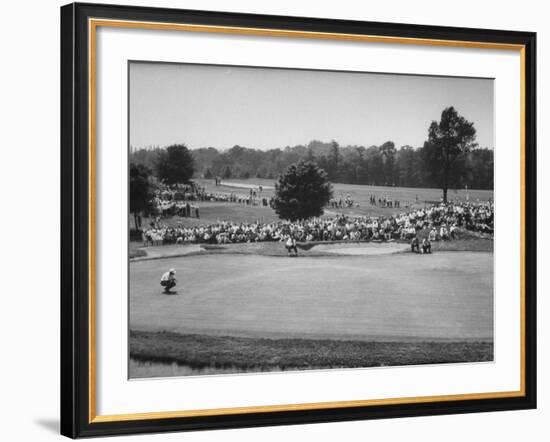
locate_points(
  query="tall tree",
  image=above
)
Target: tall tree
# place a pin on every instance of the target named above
(409, 167)
(377, 165)
(141, 191)
(227, 173)
(447, 142)
(208, 174)
(175, 164)
(387, 150)
(374, 165)
(480, 169)
(334, 160)
(302, 191)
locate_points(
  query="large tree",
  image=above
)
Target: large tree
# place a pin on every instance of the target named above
(409, 167)
(227, 173)
(374, 163)
(175, 164)
(141, 191)
(378, 165)
(334, 158)
(448, 142)
(302, 191)
(388, 152)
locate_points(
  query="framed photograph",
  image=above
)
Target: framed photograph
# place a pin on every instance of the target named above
(273, 220)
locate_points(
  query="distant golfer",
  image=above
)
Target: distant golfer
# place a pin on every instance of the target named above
(168, 280)
(426, 246)
(291, 246)
(415, 246)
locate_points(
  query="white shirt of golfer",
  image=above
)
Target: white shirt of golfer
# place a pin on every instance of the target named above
(166, 276)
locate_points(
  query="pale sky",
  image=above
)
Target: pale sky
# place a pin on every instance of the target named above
(264, 108)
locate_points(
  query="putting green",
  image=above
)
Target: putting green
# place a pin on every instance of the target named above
(446, 295)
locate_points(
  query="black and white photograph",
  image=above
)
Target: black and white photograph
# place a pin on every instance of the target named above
(293, 219)
(275, 221)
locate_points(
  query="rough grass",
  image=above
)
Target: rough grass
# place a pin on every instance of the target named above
(464, 245)
(136, 250)
(466, 241)
(240, 354)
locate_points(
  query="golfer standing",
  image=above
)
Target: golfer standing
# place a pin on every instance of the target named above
(168, 280)
(291, 245)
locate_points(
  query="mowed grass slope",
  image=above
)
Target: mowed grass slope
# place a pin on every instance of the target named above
(238, 354)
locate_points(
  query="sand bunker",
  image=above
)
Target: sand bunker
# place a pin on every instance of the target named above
(362, 248)
(245, 185)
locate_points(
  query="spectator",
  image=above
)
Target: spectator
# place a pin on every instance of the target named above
(404, 226)
(426, 246)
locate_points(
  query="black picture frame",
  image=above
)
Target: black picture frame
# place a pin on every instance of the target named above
(75, 220)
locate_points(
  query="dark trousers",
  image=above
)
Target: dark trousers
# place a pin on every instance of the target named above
(289, 248)
(168, 284)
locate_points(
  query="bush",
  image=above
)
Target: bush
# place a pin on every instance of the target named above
(302, 192)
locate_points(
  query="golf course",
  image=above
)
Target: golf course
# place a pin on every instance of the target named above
(338, 233)
(228, 308)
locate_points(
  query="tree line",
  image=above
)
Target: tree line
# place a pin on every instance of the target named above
(448, 159)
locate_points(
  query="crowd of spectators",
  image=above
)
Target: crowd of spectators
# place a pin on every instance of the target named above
(441, 221)
(384, 202)
(341, 203)
(183, 199)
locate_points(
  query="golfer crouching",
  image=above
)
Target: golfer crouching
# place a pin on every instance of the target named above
(168, 280)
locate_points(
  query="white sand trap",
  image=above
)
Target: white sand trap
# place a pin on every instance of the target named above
(245, 185)
(167, 251)
(362, 249)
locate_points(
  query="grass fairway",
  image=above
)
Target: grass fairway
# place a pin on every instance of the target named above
(359, 193)
(212, 212)
(232, 302)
